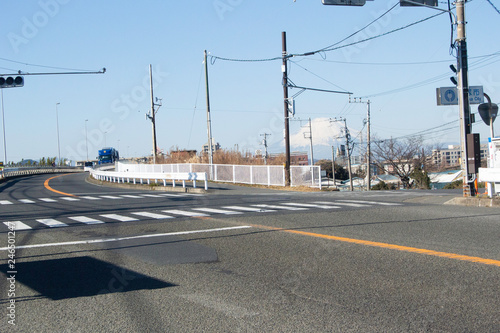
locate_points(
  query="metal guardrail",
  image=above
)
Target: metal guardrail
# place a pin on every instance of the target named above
(127, 177)
(28, 171)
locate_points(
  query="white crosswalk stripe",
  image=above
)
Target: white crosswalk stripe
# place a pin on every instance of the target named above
(280, 207)
(309, 205)
(17, 225)
(151, 195)
(217, 211)
(85, 219)
(132, 196)
(118, 217)
(5, 202)
(110, 197)
(249, 209)
(184, 213)
(350, 204)
(372, 202)
(28, 201)
(153, 215)
(70, 199)
(52, 223)
(47, 200)
(91, 198)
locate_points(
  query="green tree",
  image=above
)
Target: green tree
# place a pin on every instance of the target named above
(340, 172)
(421, 178)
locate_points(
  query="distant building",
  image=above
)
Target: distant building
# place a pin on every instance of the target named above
(215, 147)
(183, 154)
(450, 156)
(299, 158)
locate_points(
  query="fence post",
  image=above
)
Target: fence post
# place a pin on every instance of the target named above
(234, 173)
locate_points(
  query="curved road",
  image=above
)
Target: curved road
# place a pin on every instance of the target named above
(91, 258)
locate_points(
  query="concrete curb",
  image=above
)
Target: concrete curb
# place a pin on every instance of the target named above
(474, 202)
(146, 187)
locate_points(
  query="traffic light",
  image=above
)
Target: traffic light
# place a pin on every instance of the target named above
(344, 2)
(432, 3)
(11, 81)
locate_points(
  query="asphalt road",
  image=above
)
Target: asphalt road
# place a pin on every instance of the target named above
(99, 259)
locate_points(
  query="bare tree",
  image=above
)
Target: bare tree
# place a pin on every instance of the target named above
(399, 157)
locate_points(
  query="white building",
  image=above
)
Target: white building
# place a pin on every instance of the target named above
(450, 156)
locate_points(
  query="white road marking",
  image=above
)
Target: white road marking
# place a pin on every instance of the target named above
(105, 240)
(350, 204)
(27, 201)
(52, 223)
(47, 200)
(5, 202)
(90, 198)
(132, 196)
(373, 202)
(86, 220)
(249, 209)
(184, 213)
(154, 215)
(309, 205)
(17, 225)
(110, 197)
(217, 211)
(70, 199)
(120, 218)
(151, 195)
(280, 207)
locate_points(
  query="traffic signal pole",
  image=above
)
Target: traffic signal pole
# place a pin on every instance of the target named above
(463, 99)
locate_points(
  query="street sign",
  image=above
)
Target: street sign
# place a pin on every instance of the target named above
(449, 95)
(488, 114)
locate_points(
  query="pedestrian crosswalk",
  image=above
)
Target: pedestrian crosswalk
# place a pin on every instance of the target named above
(188, 212)
(97, 197)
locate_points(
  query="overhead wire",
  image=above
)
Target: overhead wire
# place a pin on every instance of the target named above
(45, 66)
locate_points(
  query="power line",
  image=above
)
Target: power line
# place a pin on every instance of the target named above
(44, 66)
(332, 47)
(492, 5)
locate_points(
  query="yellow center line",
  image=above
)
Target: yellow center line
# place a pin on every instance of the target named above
(388, 246)
(46, 184)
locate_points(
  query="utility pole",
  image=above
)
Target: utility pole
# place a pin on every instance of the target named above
(285, 103)
(265, 135)
(368, 144)
(347, 144)
(333, 165)
(311, 138)
(152, 115)
(209, 121)
(463, 99)
(57, 124)
(347, 139)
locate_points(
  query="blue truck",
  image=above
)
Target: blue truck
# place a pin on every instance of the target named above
(108, 155)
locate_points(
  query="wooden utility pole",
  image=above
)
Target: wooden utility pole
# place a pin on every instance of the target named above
(285, 103)
(209, 121)
(152, 117)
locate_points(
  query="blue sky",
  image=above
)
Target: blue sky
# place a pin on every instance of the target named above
(246, 97)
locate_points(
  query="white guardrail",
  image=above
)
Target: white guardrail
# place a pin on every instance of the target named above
(28, 171)
(127, 177)
(245, 174)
